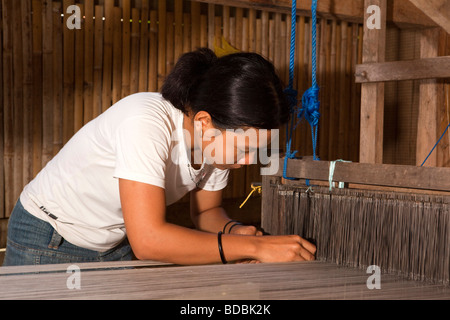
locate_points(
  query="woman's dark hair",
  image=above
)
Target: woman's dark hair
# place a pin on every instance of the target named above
(238, 90)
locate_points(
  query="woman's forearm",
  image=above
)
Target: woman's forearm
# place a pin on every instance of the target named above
(212, 220)
(179, 245)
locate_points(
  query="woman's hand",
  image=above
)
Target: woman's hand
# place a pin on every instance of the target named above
(284, 249)
(277, 248)
(246, 230)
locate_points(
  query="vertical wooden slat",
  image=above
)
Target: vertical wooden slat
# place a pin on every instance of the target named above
(117, 55)
(195, 26)
(88, 60)
(161, 42)
(153, 61)
(78, 119)
(98, 61)
(187, 32)
(28, 99)
(37, 87)
(134, 67)
(144, 47)
(211, 15)
(333, 138)
(178, 29)
(252, 30)
(126, 47)
(8, 105)
(203, 31)
(265, 34)
(428, 105)
(18, 100)
(2, 145)
(170, 42)
(108, 54)
(69, 76)
(372, 95)
(226, 23)
(57, 78)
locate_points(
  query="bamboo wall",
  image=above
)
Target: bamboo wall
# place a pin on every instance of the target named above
(55, 79)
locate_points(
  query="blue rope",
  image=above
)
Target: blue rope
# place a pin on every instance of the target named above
(290, 92)
(310, 99)
(436, 145)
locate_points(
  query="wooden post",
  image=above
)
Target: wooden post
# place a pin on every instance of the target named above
(372, 95)
(428, 103)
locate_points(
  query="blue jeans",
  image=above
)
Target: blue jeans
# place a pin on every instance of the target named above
(32, 241)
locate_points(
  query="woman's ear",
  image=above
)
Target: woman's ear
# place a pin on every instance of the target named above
(204, 118)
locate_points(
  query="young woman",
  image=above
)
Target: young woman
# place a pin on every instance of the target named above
(104, 195)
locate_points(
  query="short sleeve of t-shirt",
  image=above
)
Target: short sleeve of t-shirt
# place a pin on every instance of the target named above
(142, 147)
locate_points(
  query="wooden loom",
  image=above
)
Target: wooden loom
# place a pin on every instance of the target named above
(382, 217)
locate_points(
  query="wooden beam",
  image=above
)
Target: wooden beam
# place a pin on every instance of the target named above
(428, 103)
(437, 10)
(386, 175)
(372, 94)
(400, 12)
(427, 68)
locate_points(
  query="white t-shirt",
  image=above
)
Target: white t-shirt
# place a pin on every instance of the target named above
(136, 139)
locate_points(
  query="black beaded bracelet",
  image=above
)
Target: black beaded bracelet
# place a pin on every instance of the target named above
(219, 240)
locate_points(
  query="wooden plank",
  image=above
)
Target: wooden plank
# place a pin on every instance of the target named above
(57, 78)
(88, 61)
(162, 8)
(153, 60)
(98, 61)
(69, 76)
(178, 29)
(195, 26)
(428, 103)
(211, 15)
(401, 12)
(117, 55)
(7, 104)
(27, 88)
(37, 87)
(372, 94)
(108, 34)
(2, 172)
(18, 101)
(401, 176)
(144, 47)
(126, 47)
(437, 10)
(426, 68)
(134, 65)
(78, 119)
(264, 281)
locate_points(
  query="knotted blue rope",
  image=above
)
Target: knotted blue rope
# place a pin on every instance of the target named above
(310, 99)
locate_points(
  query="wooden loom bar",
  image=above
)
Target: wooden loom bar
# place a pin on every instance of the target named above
(388, 175)
(427, 68)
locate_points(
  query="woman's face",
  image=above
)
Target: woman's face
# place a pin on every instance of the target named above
(231, 149)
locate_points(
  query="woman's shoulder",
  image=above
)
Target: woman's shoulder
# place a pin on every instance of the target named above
(148, 107)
